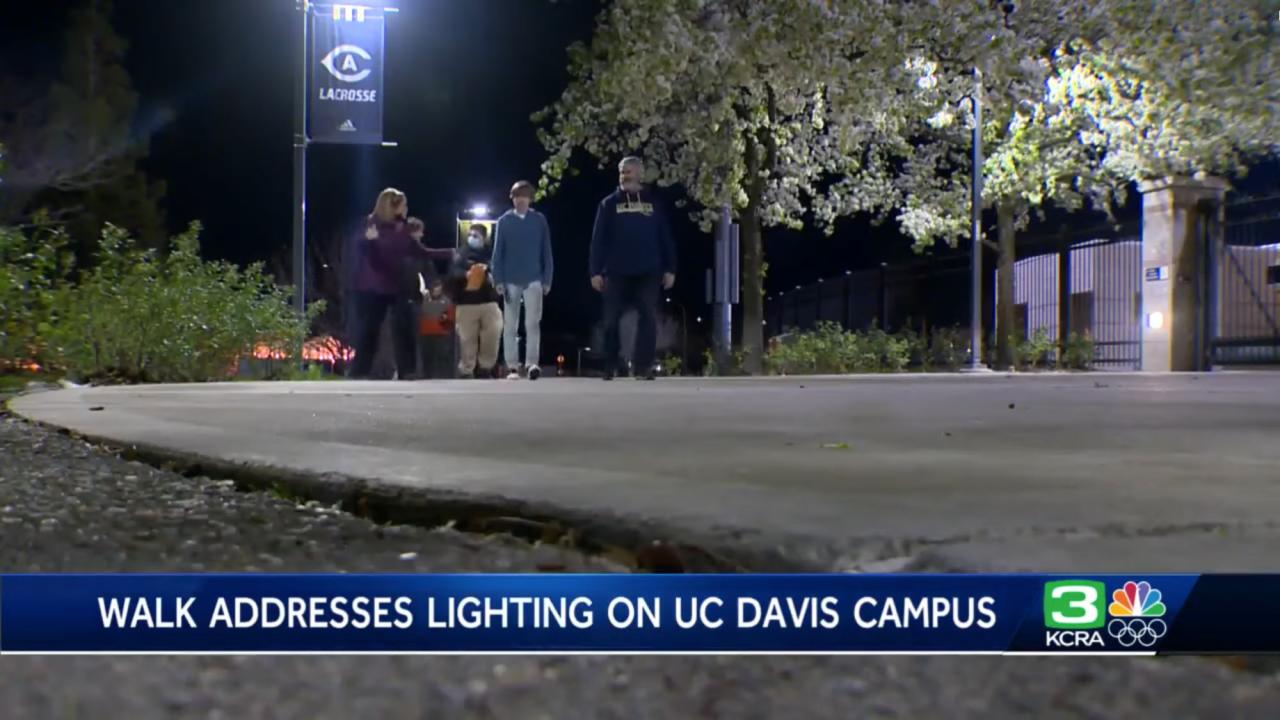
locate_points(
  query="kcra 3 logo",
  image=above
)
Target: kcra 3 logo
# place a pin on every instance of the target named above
(1076, 615)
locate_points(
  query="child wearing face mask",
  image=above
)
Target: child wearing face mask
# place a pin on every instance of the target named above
(478, 319)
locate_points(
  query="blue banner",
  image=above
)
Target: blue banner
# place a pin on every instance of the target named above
(341, 613)
(346, 75)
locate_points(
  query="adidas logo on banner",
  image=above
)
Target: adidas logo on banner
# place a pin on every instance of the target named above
(349, 12)
(347, 126)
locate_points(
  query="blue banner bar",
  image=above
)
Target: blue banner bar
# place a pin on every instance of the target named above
(340, 613)
(347, 75)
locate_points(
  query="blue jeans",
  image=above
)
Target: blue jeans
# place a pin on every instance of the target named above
(513, 297)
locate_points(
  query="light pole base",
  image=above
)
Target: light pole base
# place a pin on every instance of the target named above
(975, 369)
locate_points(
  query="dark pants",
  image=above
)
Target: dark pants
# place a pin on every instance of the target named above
(436, 356)
(370, 310)
(620, 293)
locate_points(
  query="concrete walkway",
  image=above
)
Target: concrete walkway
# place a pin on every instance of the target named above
(843, 471)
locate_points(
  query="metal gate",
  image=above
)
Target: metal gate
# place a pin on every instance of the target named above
(1106, 300)
(1090, 289)
(1244, 277)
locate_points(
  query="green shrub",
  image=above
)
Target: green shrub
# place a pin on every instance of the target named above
(827, 349)
(709, 367)
(140, 316)
(917, 350)
(830, 349)
(1034, 351)
(885, 352)
(292, 371)
(313, 372)
(671, 364)
(736, 366)
(948, 349)
(1077, 352)
(33, 266)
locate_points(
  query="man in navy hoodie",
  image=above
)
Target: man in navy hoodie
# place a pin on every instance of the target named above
(633, 257)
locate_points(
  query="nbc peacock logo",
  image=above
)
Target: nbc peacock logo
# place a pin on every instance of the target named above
(1136, 610)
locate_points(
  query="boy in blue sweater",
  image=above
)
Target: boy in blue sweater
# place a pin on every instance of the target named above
(633, 257)
(522, 268)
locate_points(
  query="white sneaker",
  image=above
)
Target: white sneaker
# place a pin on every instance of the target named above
(535, 372)
(513, 375)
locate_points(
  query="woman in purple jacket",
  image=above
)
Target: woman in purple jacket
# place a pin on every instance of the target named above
(389, 261)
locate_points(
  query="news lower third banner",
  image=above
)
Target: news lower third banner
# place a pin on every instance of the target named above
(456, 614)
(346, 75)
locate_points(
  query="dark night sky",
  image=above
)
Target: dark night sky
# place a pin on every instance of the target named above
(462, 78)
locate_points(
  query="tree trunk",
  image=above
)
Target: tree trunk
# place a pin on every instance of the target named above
(752, 248)
(1007, 334)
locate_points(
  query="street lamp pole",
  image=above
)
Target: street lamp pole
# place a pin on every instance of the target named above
(975, 202)
(580, 349)
(300, 166)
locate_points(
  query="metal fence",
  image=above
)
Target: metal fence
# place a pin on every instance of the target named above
(930, 293)
(1244, 277)
(1101, 297)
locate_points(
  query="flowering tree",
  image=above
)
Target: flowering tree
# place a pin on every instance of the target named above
(1001, 54)
(784, 112)
(1080, 100)
(1191, 88)
(800, 111)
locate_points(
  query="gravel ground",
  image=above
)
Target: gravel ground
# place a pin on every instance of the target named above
(66, 506)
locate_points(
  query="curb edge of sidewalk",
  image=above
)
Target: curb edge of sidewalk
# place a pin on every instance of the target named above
(643, 545)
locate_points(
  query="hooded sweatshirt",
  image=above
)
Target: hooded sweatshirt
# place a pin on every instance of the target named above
(632, 236)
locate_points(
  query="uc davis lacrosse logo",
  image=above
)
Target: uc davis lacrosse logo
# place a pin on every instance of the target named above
(1135, 610)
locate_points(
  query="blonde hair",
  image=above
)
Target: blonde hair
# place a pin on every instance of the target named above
(384, 210)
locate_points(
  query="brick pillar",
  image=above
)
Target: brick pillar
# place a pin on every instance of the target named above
(1173, 271)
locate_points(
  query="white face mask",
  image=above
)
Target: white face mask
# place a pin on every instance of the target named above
(475, 242)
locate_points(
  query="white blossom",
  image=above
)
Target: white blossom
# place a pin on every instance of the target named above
(1082, 99)
(799, 111)
(942, 119)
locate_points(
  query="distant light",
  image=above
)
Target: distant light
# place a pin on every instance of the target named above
(587, 349)
(668, 299)
(797, 287)
(1155, 320)
(479, 210)
(699, 318)
(848, 272)
(819, 279)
